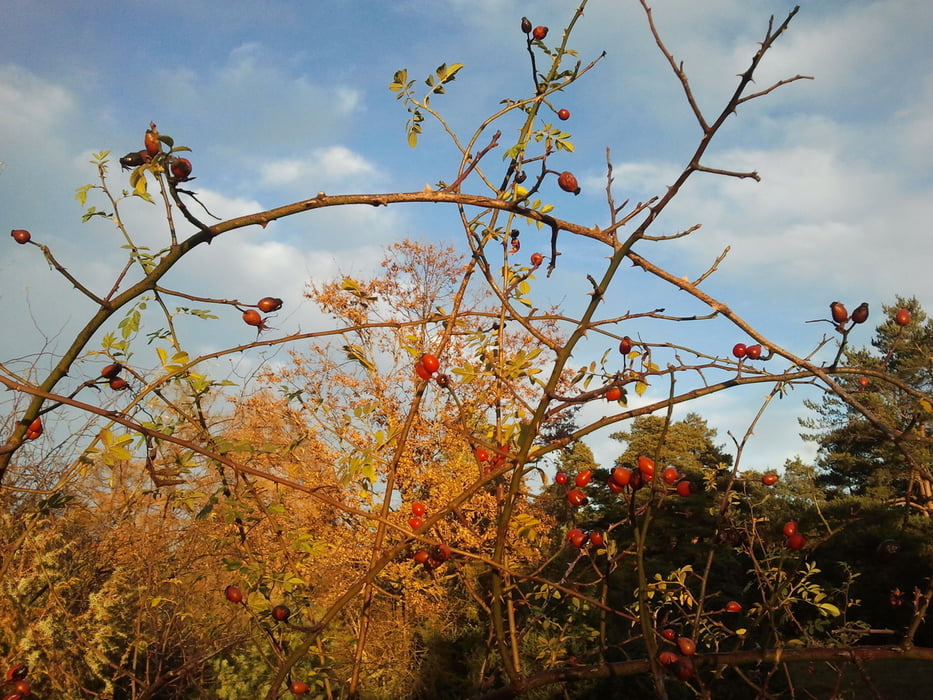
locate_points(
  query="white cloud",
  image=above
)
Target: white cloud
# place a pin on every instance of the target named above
(255, 103)
(31, 105)
(336, 165)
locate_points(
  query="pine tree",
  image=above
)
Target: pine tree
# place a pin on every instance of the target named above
(857, 455)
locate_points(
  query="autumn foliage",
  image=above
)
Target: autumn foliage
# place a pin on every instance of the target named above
(404, 505)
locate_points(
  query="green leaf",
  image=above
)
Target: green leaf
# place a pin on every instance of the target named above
(130, 324)
(399, 81)
(357, 354)
(447, 74)
(81, 194)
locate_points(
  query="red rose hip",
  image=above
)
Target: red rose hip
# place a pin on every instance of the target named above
(430, 362)
(567, 181)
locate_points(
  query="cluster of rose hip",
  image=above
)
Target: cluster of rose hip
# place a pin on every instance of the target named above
(435, 555)
(680, 662)
(580, 538)
(180, 168)
(16, 684)
(841, 316)
(622, 478)
(110, 374)
(267, 305)
(279, 613)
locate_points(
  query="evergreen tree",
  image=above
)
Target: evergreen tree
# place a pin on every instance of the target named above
(687, 444)
(858, 457)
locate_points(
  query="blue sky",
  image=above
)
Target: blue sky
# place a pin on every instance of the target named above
(280, 100)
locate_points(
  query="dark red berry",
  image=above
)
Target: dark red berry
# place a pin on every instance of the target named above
(838, 311)
(111, 371)
(567, 181)
(269, 304)
(251, 317)
(181, 169)
(860, 315)
(686, 645)
(134, 159)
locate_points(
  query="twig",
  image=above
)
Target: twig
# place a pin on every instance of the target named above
(454, 186)
(713, 267)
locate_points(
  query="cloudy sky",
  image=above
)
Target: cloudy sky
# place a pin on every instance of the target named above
(282, 99)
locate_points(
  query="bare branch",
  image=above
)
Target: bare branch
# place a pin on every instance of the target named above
(678, 69)
(778, 84)
(730, 173)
